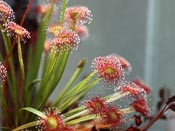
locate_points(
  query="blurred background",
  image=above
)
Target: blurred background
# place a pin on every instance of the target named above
(142, 31)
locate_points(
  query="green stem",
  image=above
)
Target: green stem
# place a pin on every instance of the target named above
(127, 110)
(75, 110)
(76, 96)
(160, 113)
(76, 115)
(115, 96)
(75, 90)
(64, 4)
(83, 107)
(82, 119)
(20, 59)
(73, 25)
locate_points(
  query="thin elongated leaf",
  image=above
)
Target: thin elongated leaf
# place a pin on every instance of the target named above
(30, 90)
(12, 78)
(54, 78)
(72, 79)
(59, 69)
(34, 60)
(76, 96)
(6, 40)
(34, 111)
(76, 89)
(25, 126)
(75, 99)
(43, 89)
(49, 68)
(35, 57)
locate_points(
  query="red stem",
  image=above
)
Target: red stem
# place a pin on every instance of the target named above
(161, 112)
(26, 12)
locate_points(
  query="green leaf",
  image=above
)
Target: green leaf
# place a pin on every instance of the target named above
(12, 78)
(34, 60)
(51, 81)
(59, 69)
(50, 65)
(6, 40)
(41, 95)
(35, 56)
(30, 91)
(35, 111)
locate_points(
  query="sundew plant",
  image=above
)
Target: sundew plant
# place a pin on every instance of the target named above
(24, 94)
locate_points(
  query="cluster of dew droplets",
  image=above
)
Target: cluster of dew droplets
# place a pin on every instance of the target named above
(112, 115)
(136, 96)
(6, 12)
(54, 29)
(125, 64)
(100, 64)
(84, 15)
(87, 17)
(134, 91)
(7, 17)
(13, 30)
(106, 112)
(82, 31)
(65, 40)
(95, 104)
(3, 71)
(50, 112)
(126, 93)
(142, 85)
(141, 106)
